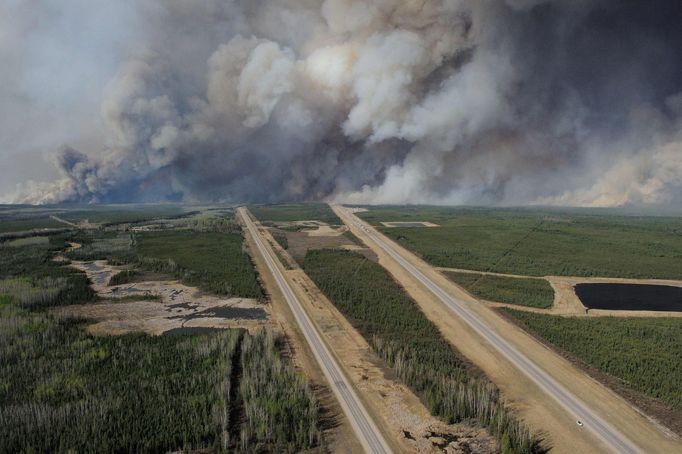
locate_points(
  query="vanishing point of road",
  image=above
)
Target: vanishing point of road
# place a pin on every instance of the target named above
(612, 438)
(365, 429)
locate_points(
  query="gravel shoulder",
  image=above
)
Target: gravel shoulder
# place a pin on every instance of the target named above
(338, 433)
(398, 412)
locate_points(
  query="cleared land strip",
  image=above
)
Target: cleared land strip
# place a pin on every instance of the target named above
(64, 221)
(612, 438)
(366, 430)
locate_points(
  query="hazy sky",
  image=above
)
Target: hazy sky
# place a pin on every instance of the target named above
(567, 102)
(57, 56)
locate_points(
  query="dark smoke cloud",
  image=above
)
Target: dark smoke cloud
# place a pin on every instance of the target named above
(574, 102)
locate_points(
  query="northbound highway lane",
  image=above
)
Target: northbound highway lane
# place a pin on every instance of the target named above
(611, 437)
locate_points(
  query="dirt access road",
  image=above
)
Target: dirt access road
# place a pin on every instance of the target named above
(366, 430)
(548, 392)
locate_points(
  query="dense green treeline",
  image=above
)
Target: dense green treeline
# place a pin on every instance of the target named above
(524, 292)
(225, 223)
(21, 225)
(354, 239)
(281, 238)
(100, 245)
(402, 335)
(540, 242)
(645, 353)
(123, 277)
(29, 274)
(280, 409)
(19, 219)
(212, 261)
(63, 389)
(209, 256)
(295, 212)
(110, 215)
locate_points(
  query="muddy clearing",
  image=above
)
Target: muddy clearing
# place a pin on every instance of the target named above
(176, 307)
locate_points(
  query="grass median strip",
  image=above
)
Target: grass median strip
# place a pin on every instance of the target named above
(410, 344)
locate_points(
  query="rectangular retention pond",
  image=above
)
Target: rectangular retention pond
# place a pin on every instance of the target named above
(630, 297)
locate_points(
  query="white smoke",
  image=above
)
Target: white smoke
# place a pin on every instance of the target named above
(384, 101)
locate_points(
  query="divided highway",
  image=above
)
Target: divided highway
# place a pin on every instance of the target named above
(367, 432)
(612, 438)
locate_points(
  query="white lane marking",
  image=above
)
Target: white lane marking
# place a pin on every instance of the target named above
(367, 432)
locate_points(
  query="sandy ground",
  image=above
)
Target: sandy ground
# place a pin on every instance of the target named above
(540, 412)
(398, 412)
(325, 230)
(180, 306)
(566, 302)
(301, 242)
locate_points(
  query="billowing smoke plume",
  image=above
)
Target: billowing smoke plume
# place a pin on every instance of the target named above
(575, 102)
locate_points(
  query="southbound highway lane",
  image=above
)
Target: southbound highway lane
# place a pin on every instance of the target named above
(367, 432)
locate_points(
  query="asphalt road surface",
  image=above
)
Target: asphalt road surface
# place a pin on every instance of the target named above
(364, 427)
(613, 438)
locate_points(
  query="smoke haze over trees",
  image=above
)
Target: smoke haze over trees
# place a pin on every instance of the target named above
(568, 102)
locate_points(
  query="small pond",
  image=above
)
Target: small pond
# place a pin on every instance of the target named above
(630, 297)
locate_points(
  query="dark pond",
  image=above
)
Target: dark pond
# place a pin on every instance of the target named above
(223, 312)
(191, 331)
(630, 297)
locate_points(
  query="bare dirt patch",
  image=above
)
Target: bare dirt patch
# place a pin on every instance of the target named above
(299, 243)
(178, 306)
